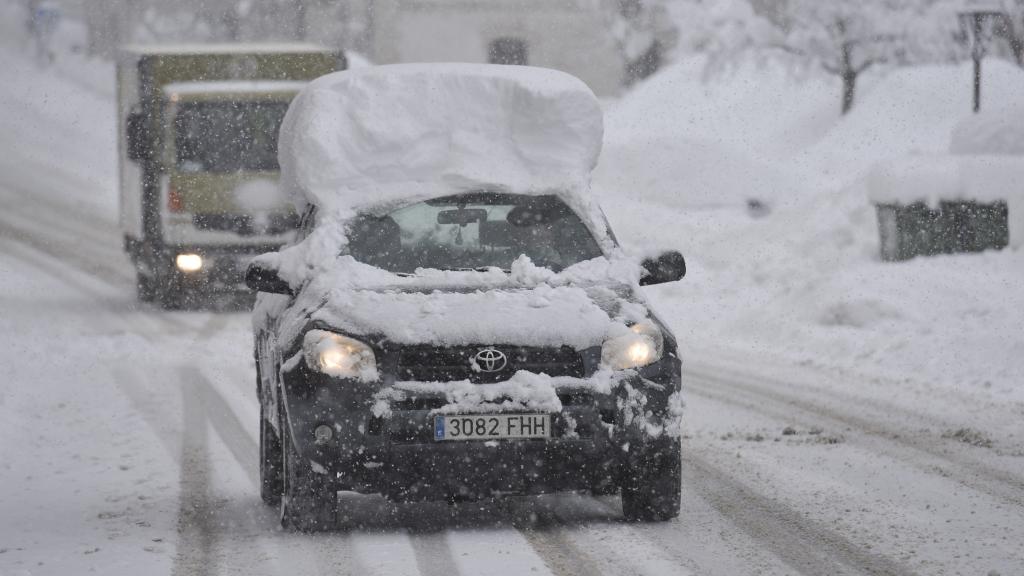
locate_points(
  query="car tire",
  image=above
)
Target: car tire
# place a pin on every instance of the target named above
(652, 489)
(309, 502)
(271, 461)
(145, 287)
(171, 297)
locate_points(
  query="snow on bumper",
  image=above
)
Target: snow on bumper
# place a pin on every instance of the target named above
(383, 439)
(540, 393)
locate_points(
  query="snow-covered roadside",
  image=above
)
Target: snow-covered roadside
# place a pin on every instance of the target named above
(804, 281)
(71, 501)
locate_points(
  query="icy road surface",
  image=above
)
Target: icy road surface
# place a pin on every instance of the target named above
(129, 447)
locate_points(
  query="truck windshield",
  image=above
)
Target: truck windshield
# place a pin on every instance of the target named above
(227, 136)
(473, 231)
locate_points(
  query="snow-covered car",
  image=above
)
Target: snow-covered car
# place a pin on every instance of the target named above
(456, 320)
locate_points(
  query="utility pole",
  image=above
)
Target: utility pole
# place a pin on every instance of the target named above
(975, 13)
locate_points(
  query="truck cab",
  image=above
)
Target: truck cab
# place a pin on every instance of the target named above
(199, 173)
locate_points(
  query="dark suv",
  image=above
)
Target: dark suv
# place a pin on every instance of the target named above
(465, 346)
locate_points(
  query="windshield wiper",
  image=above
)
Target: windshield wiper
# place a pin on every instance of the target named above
(478, 269)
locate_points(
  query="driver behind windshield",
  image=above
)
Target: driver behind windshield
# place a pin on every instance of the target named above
(473, 231)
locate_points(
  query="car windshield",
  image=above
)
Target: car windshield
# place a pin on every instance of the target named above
(473, 231)
(227, 136)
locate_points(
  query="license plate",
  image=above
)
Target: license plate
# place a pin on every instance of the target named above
(492, 426)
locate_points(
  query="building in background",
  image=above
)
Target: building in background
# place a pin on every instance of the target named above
(606, 43)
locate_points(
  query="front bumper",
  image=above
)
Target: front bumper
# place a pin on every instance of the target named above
(223, 268)
(383, 442)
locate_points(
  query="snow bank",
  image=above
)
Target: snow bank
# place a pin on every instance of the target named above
(910, 110)
(394, 133)
(992, 133)
(805, 282)
(690, 144)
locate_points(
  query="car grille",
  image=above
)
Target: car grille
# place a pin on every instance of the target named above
(432, 364)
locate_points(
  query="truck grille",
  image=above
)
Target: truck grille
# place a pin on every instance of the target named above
(246, 225)
(432, 364)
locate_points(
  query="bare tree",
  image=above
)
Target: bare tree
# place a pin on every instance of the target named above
(843, 39)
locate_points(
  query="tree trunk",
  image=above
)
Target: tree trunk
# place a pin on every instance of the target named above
(847, 72)
(849, 90)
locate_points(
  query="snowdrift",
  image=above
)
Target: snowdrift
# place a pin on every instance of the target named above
(805, 281)
(992, 133)
(397, 133)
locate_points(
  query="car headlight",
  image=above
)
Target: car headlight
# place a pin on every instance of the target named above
(339, 356)
(642, 345)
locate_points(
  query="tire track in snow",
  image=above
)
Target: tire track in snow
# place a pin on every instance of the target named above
(331, 550)
(808, 546)
(805, 545)
(93, 265)
(905, 444)
(25, 252)
(224, 421)
(197, 535)
(65, 247)
(548, 539)
(433, 554)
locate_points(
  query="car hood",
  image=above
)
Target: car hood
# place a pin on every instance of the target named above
(580, 307)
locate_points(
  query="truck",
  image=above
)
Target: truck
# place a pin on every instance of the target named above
(199, 192)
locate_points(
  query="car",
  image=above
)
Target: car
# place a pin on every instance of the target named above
(461, 340)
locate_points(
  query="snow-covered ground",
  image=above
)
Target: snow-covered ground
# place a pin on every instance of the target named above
(844, 416)
(804, 280)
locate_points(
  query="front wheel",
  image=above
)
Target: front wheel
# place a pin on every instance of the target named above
(653, 486)
(145, 287)
(309, 502)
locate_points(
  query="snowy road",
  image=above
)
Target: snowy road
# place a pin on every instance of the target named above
(131, 448)
(128, 435)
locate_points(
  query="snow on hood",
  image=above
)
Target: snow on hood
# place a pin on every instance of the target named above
(579, 307)
(412, 131)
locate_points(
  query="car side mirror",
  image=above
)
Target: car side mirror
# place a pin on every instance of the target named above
(262, 279)
(668, 267)
(137, 137)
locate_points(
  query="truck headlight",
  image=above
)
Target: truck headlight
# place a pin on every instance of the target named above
(339, 356)
(189, 262)
(643, 345)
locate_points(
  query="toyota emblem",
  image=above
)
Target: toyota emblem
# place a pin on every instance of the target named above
(490, 360)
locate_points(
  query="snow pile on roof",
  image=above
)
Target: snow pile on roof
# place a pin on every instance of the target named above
(233, 87)
(376, 135)
(994, 133)
(931, 178)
